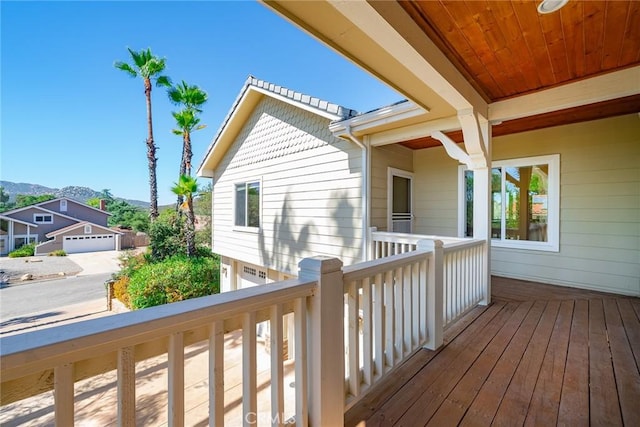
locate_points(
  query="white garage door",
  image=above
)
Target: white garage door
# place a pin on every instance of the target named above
(101, 242)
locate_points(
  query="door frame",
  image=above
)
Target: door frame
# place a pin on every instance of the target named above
(391, 172)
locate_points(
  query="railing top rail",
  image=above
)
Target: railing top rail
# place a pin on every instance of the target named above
(387, 236)
(371, 268)
(453, 246)
(86, 339)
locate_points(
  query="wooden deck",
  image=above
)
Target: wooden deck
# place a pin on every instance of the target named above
(538, 355)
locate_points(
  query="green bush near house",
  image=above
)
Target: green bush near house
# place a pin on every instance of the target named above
(23, 251)
(58, 252)
(174, 279)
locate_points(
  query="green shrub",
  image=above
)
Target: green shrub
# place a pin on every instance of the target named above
(166, 235)
(23, 251)
(176, 278)
(58, 252)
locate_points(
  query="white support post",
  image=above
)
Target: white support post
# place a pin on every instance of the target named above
(435, 302)
(482, 225)
(325, 341)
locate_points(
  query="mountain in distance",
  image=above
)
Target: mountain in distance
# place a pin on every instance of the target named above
(81, 194)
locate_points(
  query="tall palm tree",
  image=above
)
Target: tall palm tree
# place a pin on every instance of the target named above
(150, 68)
(191, 98)
(187, 187)
(187, 122)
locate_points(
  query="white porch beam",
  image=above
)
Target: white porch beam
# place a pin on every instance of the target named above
(416, 131)
(475, 140)
(422, 58)
(596, 89)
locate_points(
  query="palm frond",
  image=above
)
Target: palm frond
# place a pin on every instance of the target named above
(126, 68)
(164, 81)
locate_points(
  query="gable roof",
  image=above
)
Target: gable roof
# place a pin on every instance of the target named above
(252, 91)
(78, 225)
(39, 206)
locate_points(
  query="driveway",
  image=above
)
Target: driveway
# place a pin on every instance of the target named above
(48, 267)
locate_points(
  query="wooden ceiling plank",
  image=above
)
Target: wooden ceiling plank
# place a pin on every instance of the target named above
(468, 26)
(532, 33)
(513, 34)
(615, 14)
(630, 53)
(463, 56)
(486, 21)
(571, 16)
(553, 34)
(593, 35)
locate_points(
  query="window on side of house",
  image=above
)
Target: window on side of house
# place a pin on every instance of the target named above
(43, 218)
(87, 229)
(247, 204)
(525, 203)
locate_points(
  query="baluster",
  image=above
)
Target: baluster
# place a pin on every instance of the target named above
(302, 407)
(176, 379)
(126, 387)
(398, 309)
(408, 308)
(216, 374)
(277, 371)
(63, 394)
(379, 324)
(389, 302)
(249, 370)
(354, 342)
(367, 333)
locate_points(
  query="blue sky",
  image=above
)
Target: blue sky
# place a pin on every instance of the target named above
(68, 117)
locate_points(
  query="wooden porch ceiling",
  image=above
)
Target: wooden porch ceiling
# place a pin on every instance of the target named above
(539, 355)
(506, 48)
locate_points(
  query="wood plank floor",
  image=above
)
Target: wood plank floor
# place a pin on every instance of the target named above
(539, 355)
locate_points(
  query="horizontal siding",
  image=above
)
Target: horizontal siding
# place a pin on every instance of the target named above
(311, 190)
(383, 158)
(600, 206)
(436, 192)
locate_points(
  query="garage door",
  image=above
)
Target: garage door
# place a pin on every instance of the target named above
(101, 242)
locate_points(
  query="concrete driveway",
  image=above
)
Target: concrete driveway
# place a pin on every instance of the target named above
(48, 267)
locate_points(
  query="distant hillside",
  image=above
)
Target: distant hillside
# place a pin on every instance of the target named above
(81, 194)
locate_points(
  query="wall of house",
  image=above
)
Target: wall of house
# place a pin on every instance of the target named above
(382, 158)
(79, 211)
(42, 229)
(599, 204)
(311, 190)
(436, 192)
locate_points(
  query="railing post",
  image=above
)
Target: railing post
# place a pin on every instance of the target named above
(435, 300)
(325, 341)
(371, 244)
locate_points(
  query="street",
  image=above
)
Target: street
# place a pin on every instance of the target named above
(19, 300)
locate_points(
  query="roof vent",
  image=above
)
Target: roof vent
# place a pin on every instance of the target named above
(550, 6)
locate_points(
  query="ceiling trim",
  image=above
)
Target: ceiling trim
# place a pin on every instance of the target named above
(416, 131)
(605, 87)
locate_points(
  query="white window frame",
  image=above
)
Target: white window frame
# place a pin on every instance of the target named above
(233, 218)
(87, 229)
(35, 215)
(30, 238)
(553, 200)
(63, 205)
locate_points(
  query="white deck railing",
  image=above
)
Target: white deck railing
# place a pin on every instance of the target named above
(391, 307)
(464, 267)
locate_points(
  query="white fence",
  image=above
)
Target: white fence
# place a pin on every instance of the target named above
(389, 307)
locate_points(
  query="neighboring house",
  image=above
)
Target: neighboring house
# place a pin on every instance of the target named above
(58, 224)
(287, 184)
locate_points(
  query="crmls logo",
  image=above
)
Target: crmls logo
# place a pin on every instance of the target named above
(265, 418)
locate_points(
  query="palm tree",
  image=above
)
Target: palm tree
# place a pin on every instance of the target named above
(187, 187)
(187, 122)
(191, 98)
(148, 67)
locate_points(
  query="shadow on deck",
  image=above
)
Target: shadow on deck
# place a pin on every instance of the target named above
(538, 355)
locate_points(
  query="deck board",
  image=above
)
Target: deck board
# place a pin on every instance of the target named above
(538, 355)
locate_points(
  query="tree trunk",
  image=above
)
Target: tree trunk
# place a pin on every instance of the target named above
(191, 226)
(183, 166)
(151, 156)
